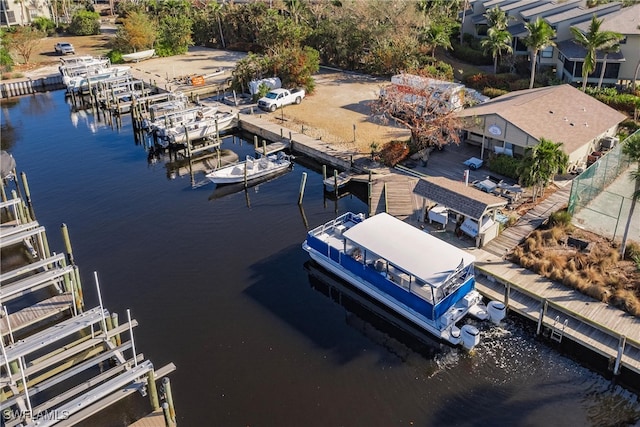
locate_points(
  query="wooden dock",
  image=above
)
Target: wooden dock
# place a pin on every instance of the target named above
(604, 329)
(49, 341)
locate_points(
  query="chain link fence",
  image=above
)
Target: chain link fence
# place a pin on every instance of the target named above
(601, 195)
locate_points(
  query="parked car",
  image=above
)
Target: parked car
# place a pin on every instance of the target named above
(278, 98)
(64, 48)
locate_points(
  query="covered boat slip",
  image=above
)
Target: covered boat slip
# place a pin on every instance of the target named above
(420, 271)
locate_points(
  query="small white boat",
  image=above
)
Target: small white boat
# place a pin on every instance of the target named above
(177, 117)
(424, 279)
(82, 83)
(251, 169)
(139, 56)
(198, 129)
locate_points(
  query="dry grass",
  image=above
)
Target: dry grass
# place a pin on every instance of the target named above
(598, 272)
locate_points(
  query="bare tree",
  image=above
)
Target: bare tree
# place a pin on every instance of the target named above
(23, 41)
(421, 107)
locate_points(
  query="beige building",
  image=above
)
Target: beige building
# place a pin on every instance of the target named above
(512, 123)
(622, 66)
(22, 12)
(567, 57)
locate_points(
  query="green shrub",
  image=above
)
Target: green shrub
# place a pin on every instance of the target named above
(492, 92)
(45, 25)
(625, 102)
(115, 57)
(497, 81)
(85, 23)
(561, 217)
(505, 165)
(632, 251)
(470, 55)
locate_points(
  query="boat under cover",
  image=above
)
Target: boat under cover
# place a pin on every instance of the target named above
(421, 277)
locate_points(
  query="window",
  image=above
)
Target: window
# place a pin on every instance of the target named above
(547, 52)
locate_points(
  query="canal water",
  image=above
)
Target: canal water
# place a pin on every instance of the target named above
(221, 287)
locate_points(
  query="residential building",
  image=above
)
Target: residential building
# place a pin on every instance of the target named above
(22, 12)
(514, 122)
(567, 57)
(621, 67)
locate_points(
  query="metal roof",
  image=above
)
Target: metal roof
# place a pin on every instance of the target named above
(575, 52)
(457, 196)
(428, 258)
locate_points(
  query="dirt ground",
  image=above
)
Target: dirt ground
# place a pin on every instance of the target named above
(337, 111)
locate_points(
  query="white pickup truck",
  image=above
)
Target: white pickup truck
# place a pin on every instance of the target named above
(64, 48)
(278, 98)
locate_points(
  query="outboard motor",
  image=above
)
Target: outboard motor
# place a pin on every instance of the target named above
(470, 336)
(497, 311)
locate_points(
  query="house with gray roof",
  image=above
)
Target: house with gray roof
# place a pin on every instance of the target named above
(566, 58)
(621, 66)
(514, 122)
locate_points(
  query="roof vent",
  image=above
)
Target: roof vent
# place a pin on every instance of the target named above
(586, 124)
(565, 119)
(550, 111)
(571, 124)
(584, 109)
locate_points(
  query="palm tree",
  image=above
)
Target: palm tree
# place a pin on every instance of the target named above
(540, 35)
(436, 35)
(540, 164)
(593, 41)
(497, 18)
(631, 148)
(607, 50)
(496, 42)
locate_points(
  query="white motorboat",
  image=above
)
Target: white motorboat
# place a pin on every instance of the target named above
(174, 116)
(139, 56)
(82, 83)
(198, 129)
(250, 169)
(424, 279)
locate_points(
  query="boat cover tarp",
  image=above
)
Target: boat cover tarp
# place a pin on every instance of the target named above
(7, 164)
(412, 250)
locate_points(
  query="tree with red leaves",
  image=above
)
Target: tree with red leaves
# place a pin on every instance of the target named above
(421, 107)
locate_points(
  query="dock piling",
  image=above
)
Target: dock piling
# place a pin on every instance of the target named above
(303, 184)
(168, 396)
(151, 388)
(621, 345)
(117, 340)
(543, 310)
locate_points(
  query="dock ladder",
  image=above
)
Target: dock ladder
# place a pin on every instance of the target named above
(557, 330)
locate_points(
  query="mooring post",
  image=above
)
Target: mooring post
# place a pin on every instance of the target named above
(117, 340)
(168, 395)
(246, 164)
(70, 260)
(27, 194)
(303, 184)
(507, 294)
(152, 389)
(543, 311)
(621, 344)
(255, 142)
(167, 417)
(335, 182)
(386, 199)
(324, 172)
(264, 147)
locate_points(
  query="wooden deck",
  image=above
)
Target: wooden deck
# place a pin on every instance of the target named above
(534, 218)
